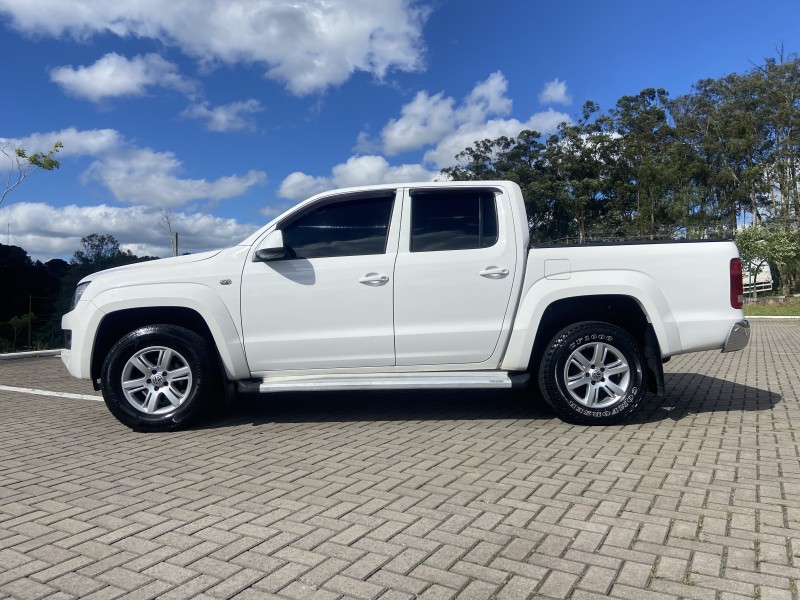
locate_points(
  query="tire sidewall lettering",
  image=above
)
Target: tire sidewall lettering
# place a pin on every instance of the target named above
(590, 338)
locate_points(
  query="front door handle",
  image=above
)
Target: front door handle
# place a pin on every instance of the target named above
(493, 272)
(373, 279)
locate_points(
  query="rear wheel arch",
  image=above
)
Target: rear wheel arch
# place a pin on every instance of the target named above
(621, 311)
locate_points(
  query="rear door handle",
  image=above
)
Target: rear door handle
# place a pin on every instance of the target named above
(493, 272)
(373, 279)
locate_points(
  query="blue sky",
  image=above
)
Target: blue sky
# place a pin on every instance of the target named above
(225, 112)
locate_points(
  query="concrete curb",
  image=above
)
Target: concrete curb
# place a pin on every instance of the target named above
(771, 317)
(33, 354)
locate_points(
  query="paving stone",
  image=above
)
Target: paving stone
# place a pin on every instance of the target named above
(76, 584)
(27, 589)
(558, 584)
(301, 591)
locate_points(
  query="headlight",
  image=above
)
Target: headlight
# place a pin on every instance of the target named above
(78, 293)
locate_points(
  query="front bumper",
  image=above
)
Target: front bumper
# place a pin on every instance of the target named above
(82, 322)
(738, 337)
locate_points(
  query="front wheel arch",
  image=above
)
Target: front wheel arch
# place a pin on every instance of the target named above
(119, 323)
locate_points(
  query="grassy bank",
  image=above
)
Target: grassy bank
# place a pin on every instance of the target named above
(789, 308)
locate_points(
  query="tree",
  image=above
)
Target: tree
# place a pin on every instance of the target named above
(30, 286)
(21, 165)
(578, 160)
(19, 324)
(165, 223)
(759, 246)
(100, 251)
(645, 176)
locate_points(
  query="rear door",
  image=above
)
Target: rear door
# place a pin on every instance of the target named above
(454, 275)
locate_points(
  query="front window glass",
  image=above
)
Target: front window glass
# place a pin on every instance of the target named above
(348, 228)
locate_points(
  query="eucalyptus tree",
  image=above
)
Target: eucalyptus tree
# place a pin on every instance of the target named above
(643, 177)
(578, 161)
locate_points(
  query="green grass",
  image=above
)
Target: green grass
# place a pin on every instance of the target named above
(789, 308)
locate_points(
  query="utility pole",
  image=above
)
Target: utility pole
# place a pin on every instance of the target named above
(30, 312)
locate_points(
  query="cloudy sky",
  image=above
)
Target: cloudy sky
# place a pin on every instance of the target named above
(226, 112)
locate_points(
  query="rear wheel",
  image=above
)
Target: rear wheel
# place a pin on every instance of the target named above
(158, 378)
(593, 373)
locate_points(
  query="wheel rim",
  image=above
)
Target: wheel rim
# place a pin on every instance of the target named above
(597, 375)
(156, 380)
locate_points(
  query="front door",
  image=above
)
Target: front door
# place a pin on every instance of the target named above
(329, 302)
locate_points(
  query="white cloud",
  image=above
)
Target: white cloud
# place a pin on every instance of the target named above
(46, 231)
(432, 121)
(228, 117)
(486, 98)
(307, 46)
(424, 120)
(137, 175)
(366, 144)
(429, 119)
(555, 92)
(437, 121)
(90, 142)
(298, 186)
(143, 176)
(114, 76)
(443, 155)
(358, 170)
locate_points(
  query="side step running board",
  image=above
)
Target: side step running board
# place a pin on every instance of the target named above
(383, 381)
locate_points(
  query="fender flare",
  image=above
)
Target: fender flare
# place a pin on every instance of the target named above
(544, 292)
(193, 296)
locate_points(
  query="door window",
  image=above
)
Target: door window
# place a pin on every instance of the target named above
(453, 220)
(355, 227)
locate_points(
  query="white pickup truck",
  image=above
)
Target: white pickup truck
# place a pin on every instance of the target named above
(402, 286)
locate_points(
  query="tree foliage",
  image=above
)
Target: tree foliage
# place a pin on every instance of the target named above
(21, 165)
(101, 251)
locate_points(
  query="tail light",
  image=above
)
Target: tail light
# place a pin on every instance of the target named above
(737, 286)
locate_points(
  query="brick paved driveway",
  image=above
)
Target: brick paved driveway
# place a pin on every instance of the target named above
(403, 495)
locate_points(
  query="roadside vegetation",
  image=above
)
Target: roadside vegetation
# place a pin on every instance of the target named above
(34, 295)
(788, 308)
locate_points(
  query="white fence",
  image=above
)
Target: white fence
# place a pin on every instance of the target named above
(762, 282)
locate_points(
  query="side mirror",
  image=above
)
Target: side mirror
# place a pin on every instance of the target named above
(271, 248)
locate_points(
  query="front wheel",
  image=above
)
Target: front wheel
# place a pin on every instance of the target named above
(593, 373)
(158, 378)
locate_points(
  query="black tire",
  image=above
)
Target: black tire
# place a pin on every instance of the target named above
(168, 397)
(593, 373)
